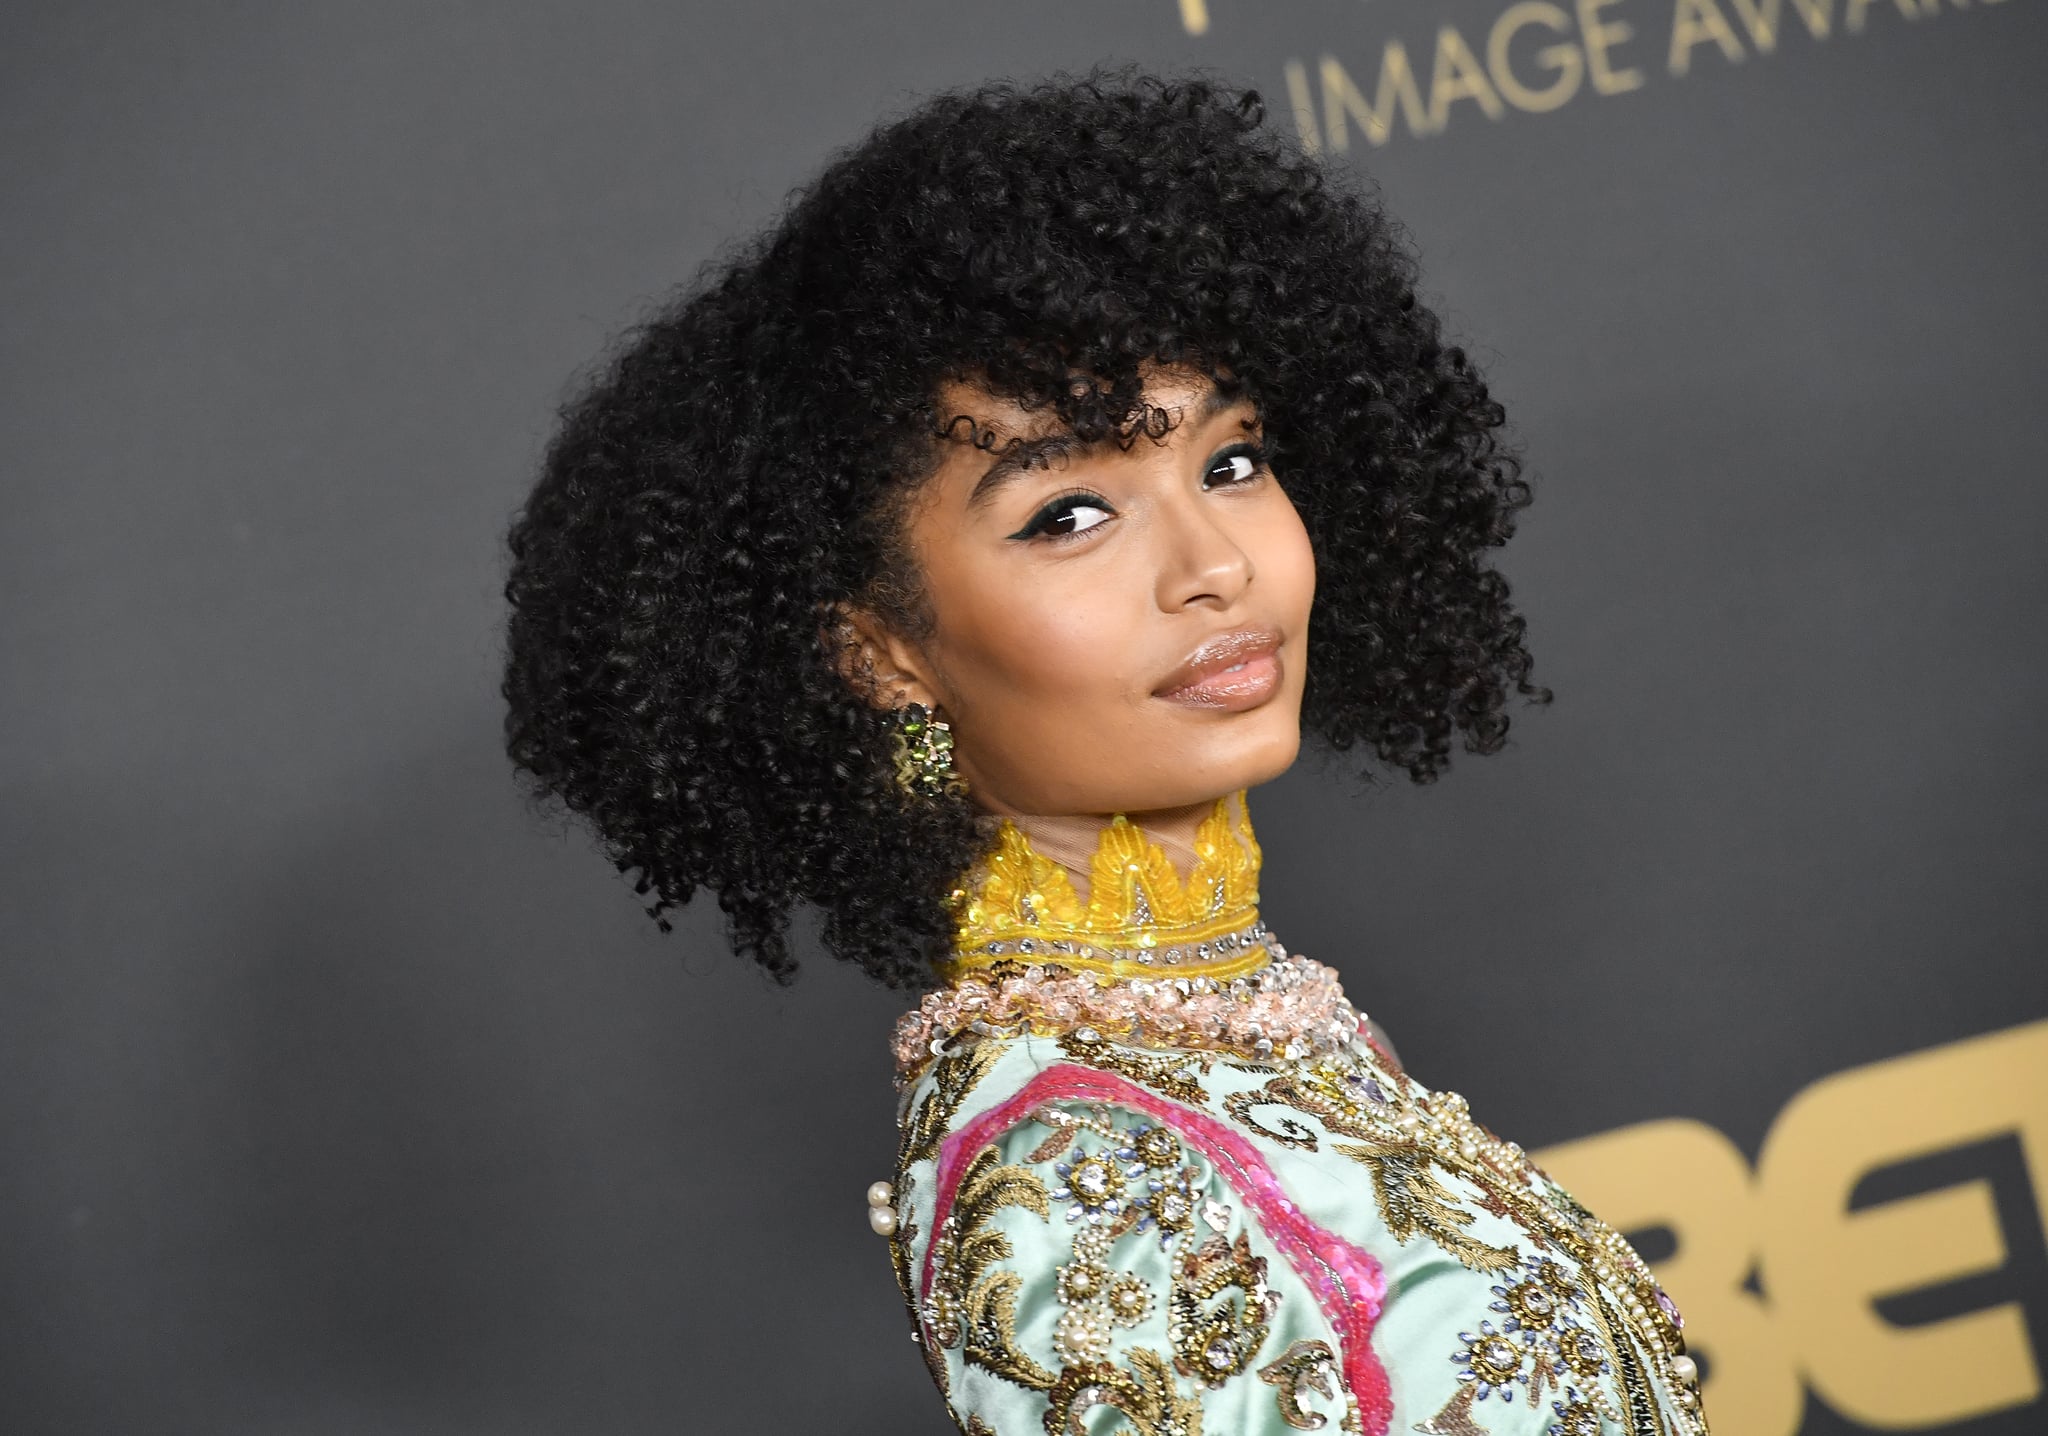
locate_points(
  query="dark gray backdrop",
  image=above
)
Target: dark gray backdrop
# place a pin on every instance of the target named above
(339, 1094)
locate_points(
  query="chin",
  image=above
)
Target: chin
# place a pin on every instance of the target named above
(1274, 759)
(1242, 759)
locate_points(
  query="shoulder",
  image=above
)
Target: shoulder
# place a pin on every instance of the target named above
(1196, 1239)
(1073, 1235)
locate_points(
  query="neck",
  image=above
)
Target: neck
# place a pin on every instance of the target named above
(1072, 840)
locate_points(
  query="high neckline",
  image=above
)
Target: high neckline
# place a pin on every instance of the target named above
(1073, 840)
(1144, 905)
(1158, 956)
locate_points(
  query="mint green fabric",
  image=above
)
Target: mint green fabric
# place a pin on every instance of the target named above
(1490, 1320)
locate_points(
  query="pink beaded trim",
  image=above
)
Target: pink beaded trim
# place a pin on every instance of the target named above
(1293, 1007)
(1347, 1281)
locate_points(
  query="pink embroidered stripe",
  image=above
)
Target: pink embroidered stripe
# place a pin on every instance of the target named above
(1347, 1281)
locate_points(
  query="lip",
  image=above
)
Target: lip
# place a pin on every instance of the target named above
(1232, 671)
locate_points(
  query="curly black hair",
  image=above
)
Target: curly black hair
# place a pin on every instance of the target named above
(738, 467)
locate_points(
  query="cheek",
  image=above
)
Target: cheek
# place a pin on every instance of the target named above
(1039, 644)
(1287, 560)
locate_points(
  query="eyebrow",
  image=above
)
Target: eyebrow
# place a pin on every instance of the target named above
(1022, 455)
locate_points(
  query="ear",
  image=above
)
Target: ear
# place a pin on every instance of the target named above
(881, 666)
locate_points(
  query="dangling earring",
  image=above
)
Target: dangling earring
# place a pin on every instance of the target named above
(924, 753)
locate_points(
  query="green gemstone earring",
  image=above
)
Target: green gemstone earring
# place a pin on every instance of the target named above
(924, 752)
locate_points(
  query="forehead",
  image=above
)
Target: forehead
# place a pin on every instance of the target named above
(996, 419)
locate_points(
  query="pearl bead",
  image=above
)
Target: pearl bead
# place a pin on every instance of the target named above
(883, 1220)
(881, 1194)
(1685, 1369)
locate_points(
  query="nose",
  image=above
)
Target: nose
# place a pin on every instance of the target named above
(1200, 560)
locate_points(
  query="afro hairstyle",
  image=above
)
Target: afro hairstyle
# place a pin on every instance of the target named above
(737, 468)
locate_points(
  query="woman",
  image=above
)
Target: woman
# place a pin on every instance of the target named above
(952, 558)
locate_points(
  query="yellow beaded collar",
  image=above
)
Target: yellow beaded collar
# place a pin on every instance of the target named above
(1140, 919)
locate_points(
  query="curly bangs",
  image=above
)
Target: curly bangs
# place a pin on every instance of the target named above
(737, 468)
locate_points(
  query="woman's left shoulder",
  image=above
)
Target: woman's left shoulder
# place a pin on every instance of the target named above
(1321, 1224)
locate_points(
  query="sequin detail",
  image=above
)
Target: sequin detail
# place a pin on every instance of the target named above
(1138, 908)
(1292, 1007)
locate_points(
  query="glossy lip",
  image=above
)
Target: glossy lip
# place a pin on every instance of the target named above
(1206, 678)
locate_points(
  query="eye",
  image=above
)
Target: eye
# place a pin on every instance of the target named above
(1066, 516)
(1238, 464)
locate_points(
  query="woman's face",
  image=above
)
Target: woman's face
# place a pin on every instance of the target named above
(1117, 630)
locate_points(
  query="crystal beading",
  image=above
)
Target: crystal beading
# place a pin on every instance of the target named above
(1227, 954)
(1291, 1007)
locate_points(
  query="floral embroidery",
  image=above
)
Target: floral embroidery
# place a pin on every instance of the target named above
(1529, 1305)
(1093, 1183)
(1171, 1193)
(1542, 1338)
(1244, 1066)
(1155, 1147)
(1491, 1361)
(1583, 1353)
(1415, 1142)
(1097, 1299)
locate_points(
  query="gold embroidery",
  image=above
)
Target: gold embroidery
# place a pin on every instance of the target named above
(1309, 1365)
(922, 1131)
(1411, 1136)
(970, 1305)
(1638, 1324)
(991, 1332)
(1172, 1187)
(953, 1077)
(1213, 1343)
(1093, 1183)
(1341, 1099)
(1581, 1324)
(1144, 1393)
(1412, 1133)
(1289, 1133)
(1174, 1074)
(1413, 1202)
(1530, 1303)
(1455, 1419)
(1332, 1096)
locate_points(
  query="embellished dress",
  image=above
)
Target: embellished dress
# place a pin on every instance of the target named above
(1156, 1175)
